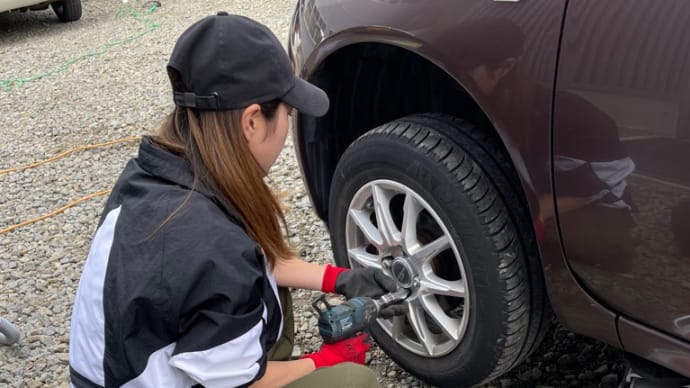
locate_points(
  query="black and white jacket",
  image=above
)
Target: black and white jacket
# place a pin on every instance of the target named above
(174, 293)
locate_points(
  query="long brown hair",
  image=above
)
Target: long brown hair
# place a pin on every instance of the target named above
(214, 144)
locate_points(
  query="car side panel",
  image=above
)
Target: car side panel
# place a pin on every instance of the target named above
(520, 111)
(663, 349)
(8, 5)
(621, 157)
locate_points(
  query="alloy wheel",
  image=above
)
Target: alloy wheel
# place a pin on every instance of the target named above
(391, 226)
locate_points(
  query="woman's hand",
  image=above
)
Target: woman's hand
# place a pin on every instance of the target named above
(370, 282)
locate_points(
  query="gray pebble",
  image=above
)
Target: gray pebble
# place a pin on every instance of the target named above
(609, 380)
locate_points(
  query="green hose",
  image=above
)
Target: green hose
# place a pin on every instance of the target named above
(10, 84)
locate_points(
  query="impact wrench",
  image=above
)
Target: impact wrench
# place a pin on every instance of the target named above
(345, 320)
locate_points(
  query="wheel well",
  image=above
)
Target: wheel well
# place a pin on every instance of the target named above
(370, 84)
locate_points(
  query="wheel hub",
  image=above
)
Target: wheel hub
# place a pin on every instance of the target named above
(403, 272)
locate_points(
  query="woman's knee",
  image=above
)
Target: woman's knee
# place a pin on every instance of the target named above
(355, 375)
(345, 375)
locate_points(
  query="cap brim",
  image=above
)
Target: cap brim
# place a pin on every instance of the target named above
(308, 99)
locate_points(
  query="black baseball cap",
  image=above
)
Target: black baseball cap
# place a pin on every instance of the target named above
(229, 62)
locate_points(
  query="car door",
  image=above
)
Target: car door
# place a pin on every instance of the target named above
(621, 156)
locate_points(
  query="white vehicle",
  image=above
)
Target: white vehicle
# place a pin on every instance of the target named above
(66, 10)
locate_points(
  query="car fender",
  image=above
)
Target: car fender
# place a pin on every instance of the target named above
(578, 310)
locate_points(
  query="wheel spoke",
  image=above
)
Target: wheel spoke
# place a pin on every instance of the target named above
(364, 258)
(371, 233)
(450, 326)
(433, 284)
(411, 210)
(429, 251)
(384, 218)
(398, 330)
(420, 327)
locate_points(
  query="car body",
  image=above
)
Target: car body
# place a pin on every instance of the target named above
(587, 104)
(66, 10)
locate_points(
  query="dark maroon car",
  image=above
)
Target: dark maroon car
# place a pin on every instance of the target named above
(502, 160)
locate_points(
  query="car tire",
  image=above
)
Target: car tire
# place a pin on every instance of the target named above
(432, 198)
(67, 10)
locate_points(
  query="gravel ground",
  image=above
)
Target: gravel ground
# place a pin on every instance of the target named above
(120, 93)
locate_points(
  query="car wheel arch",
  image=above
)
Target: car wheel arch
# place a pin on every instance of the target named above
(349, 47)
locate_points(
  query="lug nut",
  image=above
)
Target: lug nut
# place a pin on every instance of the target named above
(386, 262)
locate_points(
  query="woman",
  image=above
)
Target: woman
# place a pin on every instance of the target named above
(181, 285)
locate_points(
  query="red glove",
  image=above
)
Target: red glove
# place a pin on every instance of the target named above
(349, 350)
(329, 277)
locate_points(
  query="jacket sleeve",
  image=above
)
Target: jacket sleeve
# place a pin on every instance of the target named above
(220, 310)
